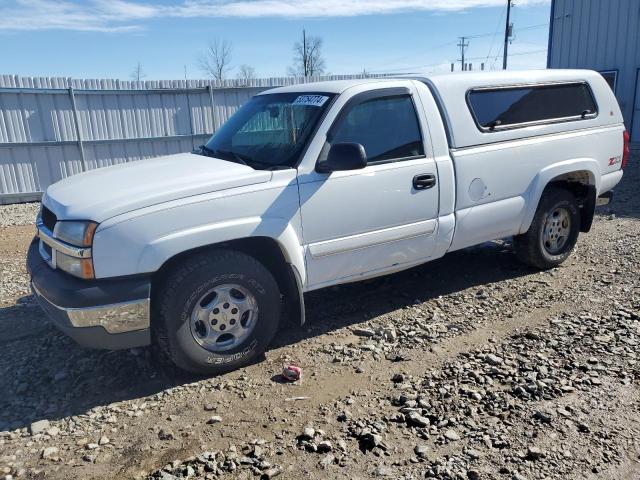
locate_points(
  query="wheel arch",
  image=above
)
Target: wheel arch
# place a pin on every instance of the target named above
(282, 256)
(579, 176)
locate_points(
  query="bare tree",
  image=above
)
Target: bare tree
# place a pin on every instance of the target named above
(137, 74)
(307, 57)
(246, 73)
(215, 61)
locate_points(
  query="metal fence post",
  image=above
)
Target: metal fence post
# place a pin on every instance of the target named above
(193, 145)
(78, 129)
(213, 110)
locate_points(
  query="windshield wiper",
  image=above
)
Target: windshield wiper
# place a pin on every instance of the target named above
(247, 160)
(242, 158)
(204, 150)
(228, 154)
(236, 157)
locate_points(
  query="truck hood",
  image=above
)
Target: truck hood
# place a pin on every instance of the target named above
(106, 192)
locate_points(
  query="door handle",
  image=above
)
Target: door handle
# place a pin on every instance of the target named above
(424, 181)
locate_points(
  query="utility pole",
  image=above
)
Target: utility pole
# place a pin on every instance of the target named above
(462, 46)
(304, 52)
(507, 34)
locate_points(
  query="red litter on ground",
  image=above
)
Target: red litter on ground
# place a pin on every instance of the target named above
(292, 373)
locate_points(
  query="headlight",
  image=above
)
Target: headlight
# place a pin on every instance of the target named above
(78, 267)
(79, 234)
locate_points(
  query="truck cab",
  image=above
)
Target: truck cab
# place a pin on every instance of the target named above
(313, 185)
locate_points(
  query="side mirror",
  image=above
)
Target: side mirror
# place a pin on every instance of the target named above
(343, 156)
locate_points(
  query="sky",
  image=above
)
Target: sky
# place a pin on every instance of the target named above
(107, 38)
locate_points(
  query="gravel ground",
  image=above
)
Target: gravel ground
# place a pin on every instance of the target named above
(18, 214)
(469, 367)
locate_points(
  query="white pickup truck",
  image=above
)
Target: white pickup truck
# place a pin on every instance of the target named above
(319, 184)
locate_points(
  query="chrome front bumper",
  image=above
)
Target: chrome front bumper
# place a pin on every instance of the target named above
(114, 318)
(108, 313)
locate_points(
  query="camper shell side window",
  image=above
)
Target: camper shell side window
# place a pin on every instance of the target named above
(518, 106)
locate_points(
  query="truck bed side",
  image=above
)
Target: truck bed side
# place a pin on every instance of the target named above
(501, 175)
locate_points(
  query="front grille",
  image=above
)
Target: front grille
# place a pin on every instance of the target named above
(48, 218)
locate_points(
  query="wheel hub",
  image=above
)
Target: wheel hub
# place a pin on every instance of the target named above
(556, 231)
(224, 317)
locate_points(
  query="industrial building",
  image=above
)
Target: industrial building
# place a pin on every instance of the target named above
(602, 35)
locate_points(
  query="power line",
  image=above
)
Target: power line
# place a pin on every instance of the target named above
(431, 49)
(466, 37)
(532, 27)
(411, 67)
(531, 52)
(489, 34)
(408, 69)
(495, 59)
(495, 34)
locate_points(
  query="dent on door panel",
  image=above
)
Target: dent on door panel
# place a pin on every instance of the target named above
(387, 250)
(488, 221)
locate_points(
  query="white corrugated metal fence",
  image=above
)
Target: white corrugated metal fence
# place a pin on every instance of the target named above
(51, 128)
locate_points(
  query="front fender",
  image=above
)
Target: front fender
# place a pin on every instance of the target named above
(142, 241)
(157, 252)
(548, 174)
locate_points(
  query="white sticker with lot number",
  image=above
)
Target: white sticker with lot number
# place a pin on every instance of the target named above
(311, 100)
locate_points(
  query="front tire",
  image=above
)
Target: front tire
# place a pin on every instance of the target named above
(217, 312)
(553, 232)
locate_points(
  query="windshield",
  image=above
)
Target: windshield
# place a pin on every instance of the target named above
(270, 131)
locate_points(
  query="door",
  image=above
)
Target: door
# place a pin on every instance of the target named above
(635, 115)
(383, 216)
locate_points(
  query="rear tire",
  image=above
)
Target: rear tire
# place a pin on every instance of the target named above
(553, 232)
(216, 312)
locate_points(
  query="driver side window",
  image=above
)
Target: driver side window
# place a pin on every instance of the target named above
(387, 128)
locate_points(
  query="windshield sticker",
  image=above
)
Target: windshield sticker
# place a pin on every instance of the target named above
(311, 100)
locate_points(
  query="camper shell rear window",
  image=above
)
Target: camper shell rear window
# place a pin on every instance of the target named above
(508, 107)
